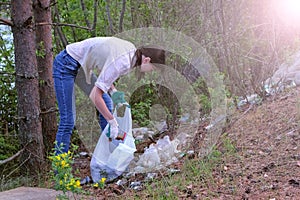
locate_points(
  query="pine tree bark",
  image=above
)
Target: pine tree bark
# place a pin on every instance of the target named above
(42, 15)
(29, 122)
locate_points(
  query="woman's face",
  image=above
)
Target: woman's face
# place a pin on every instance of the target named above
(146, 66)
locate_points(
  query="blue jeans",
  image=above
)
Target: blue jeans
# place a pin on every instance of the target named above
(109, 103)
(64, 73)
(65, 69)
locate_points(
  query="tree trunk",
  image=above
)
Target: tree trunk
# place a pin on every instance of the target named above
(30, 126)
(42, 15)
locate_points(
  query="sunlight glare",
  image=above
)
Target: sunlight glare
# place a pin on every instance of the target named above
(288, 11)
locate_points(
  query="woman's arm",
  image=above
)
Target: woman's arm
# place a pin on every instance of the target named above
(111, 90)
(96, 97)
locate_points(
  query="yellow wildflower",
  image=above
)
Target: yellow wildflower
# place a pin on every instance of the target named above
(77, 184)
(103, 180)
(63, 163)
(96, 185)
(60, 182)
(72, 181)
(57, 157)
(64, 155)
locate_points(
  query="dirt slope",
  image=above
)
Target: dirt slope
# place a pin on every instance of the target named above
(268, 143)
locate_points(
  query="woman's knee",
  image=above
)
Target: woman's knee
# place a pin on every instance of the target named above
(67, 124)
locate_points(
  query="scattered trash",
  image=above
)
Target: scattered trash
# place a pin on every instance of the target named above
(219, 119)
(182, 155)
(160, 126)
(142, 133)
(129, 174)
(157, 155)
(84, 154)
(85, 180)
(166, 150)
(150, 176)
(139, 133)
(121, 182)
(182, 139)
(296, 157)
(184, 118)
(150, 158)
(251, 99)
(136, 185)
(190, 152)
(173, 171)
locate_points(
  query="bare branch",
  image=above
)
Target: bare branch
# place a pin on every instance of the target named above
(6, 22)
(7, 73)
(5, 3)
(63, 24)
(95, 16)
(122, 16)
(57, 29)
(85, 13)
(50, 110)
(109, 17)
(19, 166)
(12, 157)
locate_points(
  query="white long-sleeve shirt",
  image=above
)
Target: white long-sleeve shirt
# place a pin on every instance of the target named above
(112, 57)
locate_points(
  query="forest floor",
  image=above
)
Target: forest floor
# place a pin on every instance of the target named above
(265, 164)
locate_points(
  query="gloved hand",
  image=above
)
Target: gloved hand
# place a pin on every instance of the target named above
(118, 97)
(113, 128)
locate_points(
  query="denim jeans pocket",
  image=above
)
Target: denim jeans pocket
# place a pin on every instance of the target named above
(70, 63)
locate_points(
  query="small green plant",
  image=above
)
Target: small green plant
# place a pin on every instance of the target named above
(9, 145)
(229, 147)
(100, 184)
(140, 112)
(62, 175)
(205, 103)
(41, 51)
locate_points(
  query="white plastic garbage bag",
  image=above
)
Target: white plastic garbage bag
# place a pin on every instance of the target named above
(150, 158)
(157, 155)
(111, 158)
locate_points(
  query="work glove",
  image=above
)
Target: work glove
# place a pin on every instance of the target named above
(113, 129)
(118, 98)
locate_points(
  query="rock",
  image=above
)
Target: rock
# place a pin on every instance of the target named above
(35, 193)
(29, 193)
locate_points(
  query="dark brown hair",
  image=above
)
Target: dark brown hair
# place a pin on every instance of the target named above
(156, 53)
